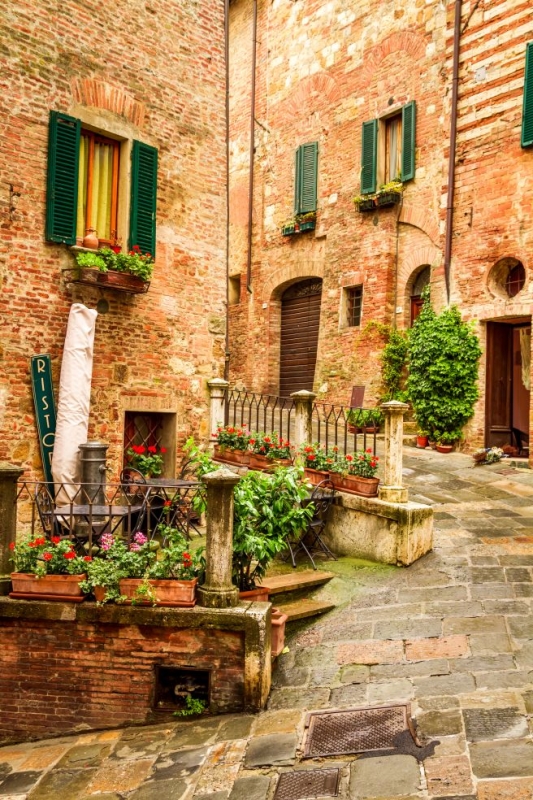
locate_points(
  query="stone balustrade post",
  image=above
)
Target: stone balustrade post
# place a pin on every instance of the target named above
(218, 590)
(303, 417)
(217, 389)
(392, 490)
(9, 476)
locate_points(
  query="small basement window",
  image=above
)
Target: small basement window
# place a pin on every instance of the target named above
(174, 684)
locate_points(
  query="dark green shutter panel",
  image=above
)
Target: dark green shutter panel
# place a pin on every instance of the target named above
(62, 180)
(143, 197)
(408, 141)
(527, 111)
(369, 145)
(308, 168)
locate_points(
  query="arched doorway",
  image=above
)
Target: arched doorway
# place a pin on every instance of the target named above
(300, 322)
(421, 281)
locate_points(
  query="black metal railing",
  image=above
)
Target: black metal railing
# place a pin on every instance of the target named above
(84, 512)
(345, 428)
(260, 412)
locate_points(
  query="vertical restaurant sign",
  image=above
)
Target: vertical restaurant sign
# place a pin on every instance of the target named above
(45, 410)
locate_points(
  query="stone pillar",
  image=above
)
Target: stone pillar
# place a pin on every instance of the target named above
(9, 476)
(392, 489)
(218, 590)
(217, 407)
(303, 417)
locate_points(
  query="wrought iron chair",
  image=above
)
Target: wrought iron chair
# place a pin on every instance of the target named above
(45, 508)
(135, 490)
(310, 540)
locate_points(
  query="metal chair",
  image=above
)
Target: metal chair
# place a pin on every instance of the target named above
(310, 540)
(44, 502)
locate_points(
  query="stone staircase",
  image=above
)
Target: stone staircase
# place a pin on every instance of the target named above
(289, 592)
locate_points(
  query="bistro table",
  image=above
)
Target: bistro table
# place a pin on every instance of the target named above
(100, 517)
(170, 500)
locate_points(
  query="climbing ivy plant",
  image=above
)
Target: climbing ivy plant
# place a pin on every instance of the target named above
(444, 357)
(393, 365)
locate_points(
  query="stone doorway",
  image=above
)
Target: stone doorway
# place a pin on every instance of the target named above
(300, 324)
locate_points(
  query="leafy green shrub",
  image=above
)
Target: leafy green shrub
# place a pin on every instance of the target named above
(444, 357)
(393, 365)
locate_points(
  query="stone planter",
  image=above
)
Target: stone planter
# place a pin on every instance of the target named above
(168, 592)
(279, 621)
(353, 484)
(315, 476)
(51, 587)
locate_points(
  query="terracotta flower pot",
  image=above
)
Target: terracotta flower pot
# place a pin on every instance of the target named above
(278, 623)
(279, 462)
(258, 461)
(122, 280)
(353, 484)
(422, 441)
(50, 587)
(259, 594)
(99, 593)
(168, 592)
(230, 456)
(444, 448)
(315, 476)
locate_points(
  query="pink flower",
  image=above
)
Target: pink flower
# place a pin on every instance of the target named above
(140, 538)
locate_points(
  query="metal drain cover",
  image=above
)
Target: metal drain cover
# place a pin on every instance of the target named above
(307, 784)
(356, 730)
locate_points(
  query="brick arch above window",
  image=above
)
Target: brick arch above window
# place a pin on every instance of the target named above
(282, 278)
(100, 94)
(405, 41)
(418, 217)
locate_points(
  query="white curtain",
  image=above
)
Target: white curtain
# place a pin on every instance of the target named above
(74, 399)
(525, 353)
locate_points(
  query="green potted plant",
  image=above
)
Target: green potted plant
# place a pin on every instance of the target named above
(232, 444)
(148, 460)
(306, 222)
(269, 448)
(130, 271)
(268, 510)
(289, 227)
(46, 568)
(389, 193)
(371, 419)
(355, 473)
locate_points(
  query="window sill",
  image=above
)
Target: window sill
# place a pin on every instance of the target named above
(116, 281)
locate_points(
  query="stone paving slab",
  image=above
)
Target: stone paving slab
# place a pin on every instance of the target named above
(452, 635)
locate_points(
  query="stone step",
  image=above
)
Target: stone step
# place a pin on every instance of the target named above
(302, 609)
(294, 581)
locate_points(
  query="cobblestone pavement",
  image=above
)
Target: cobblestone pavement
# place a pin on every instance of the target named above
(452, 634)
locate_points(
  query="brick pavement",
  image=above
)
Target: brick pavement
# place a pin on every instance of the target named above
(452, 634)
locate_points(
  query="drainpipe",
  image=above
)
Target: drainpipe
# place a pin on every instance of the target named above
(252, 144)
(226, 58)
(453, 136)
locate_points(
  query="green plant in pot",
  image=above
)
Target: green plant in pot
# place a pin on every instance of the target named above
(134, 262)
(267, 512)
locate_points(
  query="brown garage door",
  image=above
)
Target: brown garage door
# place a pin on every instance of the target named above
(300, 320)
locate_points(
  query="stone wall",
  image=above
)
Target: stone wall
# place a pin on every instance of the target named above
(152, 72)
(66, 668)
(324, 69)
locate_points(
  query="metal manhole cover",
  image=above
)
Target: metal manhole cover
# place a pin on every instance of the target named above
(357, 730)
(307, 784)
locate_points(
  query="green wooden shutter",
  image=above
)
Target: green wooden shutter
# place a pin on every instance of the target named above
(369, 147)
(62, 180)
(408, 141)
(527, 111)
(143, 197)
(306, 178)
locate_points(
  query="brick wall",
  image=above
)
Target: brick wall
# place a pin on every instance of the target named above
(155, 71)
(56, 674)
(322, 70)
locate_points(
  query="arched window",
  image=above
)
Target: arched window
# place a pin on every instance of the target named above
(420, 283)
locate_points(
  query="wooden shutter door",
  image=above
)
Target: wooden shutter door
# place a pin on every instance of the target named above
(62, 179)
(300, 321)
(527, 111)
(408, 141)
(369, 149)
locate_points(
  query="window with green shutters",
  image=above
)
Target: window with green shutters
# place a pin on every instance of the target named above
(388, 149)
(306, 178)
(72, 190)
(527, 109)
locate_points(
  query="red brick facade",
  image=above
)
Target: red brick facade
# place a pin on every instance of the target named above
(58, 673)
(323, 70)
(151, 72)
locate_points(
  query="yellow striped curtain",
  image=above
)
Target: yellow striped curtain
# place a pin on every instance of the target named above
(99, 216)
(82, 188)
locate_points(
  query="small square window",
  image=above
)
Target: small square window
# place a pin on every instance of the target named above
(353, 305)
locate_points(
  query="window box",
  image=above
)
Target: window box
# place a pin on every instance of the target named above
(366, 205)
(118, 281)
(388, 199)
(289, 230)
(308, 225)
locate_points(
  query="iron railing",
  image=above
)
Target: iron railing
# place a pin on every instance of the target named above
(83, 512)
(260, 412)
(333, 426)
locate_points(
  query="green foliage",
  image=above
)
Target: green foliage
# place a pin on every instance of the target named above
(316, 456)
(363, 464)
(91, 260)
(364, 417)
(235, 437)
(393, 365)
(268, 510)
(192, 706)
(41, 556)
(444, 356)
(134, 262)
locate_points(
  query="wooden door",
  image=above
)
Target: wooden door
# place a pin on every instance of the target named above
(499, 384)
(300, 322)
